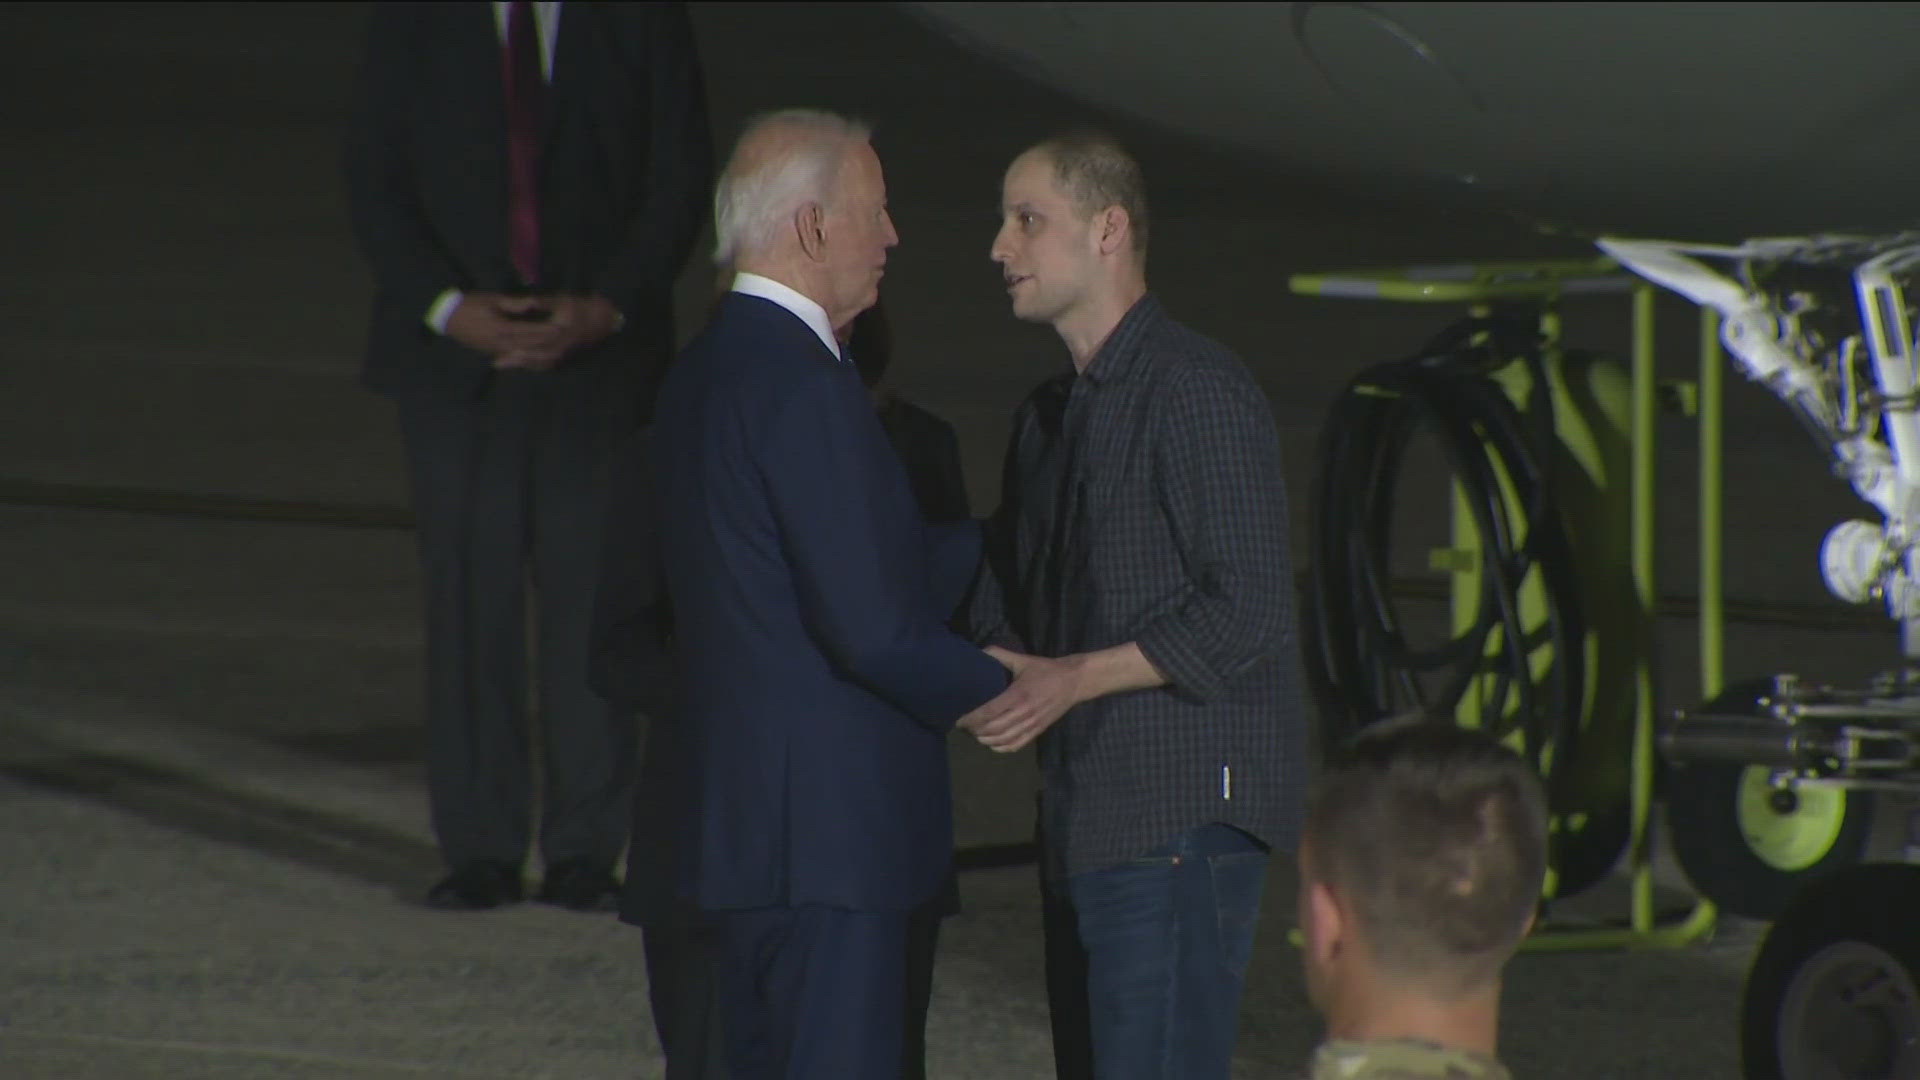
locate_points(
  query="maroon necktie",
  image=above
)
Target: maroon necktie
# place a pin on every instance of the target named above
(526, 110)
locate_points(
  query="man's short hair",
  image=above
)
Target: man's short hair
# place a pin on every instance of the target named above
(769, 178)
(1434, 837)
(1097, 172)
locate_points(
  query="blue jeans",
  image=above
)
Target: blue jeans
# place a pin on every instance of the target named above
(1146, 960)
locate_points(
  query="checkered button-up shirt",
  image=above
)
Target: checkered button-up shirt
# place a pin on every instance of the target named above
(1143, 501)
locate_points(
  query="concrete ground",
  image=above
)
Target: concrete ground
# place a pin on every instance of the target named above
(209, 728)
(216, 844)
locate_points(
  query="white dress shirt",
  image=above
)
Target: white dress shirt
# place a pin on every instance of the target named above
(809, 312)
(546, 15)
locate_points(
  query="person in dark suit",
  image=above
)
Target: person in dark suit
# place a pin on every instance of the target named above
(632, 668)
(817, 679)
(526, 180)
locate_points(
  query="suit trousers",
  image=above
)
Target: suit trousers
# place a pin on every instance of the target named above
(685, 995)
(812, 992)
(684, 991)
(510, 485)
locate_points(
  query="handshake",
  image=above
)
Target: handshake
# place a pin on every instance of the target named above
(1043, 690)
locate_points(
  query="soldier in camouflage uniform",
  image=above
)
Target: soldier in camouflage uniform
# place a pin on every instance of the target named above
(1420, 872)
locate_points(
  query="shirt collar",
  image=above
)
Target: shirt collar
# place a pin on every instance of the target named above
(804, 309)
(1120, 354)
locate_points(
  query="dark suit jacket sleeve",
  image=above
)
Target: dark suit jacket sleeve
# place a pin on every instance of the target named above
(409, 265)
(855, 545)
(679, 173)
(930, 451)
(628, 661)
(953, 550)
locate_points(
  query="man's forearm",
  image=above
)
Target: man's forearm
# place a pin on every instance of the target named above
(1115, 671)
(1044, 690)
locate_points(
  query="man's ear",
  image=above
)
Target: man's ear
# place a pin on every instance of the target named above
(810, 223)
(1330, 926)
(1114, 228)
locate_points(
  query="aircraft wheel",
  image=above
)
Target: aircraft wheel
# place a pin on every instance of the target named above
(1832, 993)
(1750, 847)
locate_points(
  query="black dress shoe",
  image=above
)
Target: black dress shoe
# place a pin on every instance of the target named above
(477, 886)
(580, 884)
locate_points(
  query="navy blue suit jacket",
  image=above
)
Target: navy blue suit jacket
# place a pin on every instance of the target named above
(817, 679)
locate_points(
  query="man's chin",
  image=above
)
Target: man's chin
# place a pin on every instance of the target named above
(1029, 313)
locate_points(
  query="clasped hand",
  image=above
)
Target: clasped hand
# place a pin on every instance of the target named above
(530, 333)
(1041, 693)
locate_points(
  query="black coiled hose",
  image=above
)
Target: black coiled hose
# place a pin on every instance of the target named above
(1362, 664)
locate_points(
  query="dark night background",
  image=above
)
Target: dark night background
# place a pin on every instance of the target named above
(208, 718)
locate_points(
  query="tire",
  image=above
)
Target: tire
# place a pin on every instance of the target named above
(1742, 851)
(1832, 991)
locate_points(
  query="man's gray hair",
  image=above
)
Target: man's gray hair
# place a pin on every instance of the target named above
(782, 161)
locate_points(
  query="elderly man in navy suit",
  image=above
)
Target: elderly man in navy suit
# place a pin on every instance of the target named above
(818, 681)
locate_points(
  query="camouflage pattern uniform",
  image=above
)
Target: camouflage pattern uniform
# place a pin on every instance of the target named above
(1401, 1059)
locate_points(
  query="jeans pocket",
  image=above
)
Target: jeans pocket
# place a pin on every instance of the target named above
(1239, 882)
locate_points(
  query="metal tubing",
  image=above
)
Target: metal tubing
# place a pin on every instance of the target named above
(1856, 710)
(1641, 785)
(1713, 610)
(1740, 740)
(1698, 923)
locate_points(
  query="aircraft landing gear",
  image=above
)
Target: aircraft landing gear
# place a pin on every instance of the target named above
(1745, 841)
(1832, 994)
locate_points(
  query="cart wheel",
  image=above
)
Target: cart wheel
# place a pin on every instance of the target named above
(1831, 995)
(1750, 847)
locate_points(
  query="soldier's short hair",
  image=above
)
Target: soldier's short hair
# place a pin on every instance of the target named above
(1434, 837)
(1096, 172)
